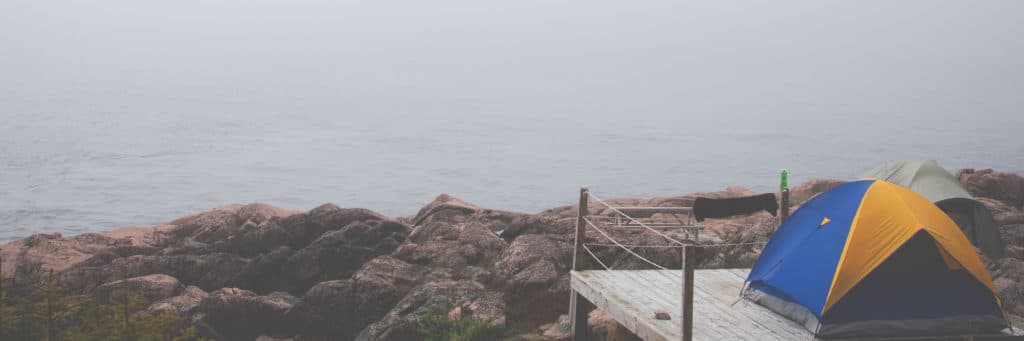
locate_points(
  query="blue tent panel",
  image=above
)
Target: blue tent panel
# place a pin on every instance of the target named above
(808, 277)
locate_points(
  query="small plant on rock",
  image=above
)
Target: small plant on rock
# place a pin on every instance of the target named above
(437, 327)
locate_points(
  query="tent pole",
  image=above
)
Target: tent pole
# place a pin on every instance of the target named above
(783, 207)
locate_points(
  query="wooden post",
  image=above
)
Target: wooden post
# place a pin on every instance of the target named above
(51, 327)
(579, 311)
(783, 206)
(689, 262)
(579, 307)
(581, 232)
(128, 333)
(3, 297)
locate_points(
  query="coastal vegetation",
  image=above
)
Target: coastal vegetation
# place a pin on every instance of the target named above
(50, 313)
(437, 327)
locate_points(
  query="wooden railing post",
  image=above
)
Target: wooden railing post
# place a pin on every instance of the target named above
(579, 307)
(581, 231)
(2, 298)
(783, 207)
(689, 263)
(579, 313)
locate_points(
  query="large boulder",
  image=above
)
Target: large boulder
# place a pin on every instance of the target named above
(533, 270)
(208, 271)
(152, 287)
(453, 235)
(140, 236)
(338, 254)
(266, 248)
(1012, 235)
(183, 248)
(1005, 187)
(451, 247)
(341, 308)
(998, 208)
(30, 258)
(272, 338)
(184, 304)
(254, 229)
(1011, 225)
(210, 249)
(237, 314)
(222, 222)
(1008, 276)
(267, 273)
(523, 224)
(561, 329)
(445, 207)
(603, 326)
(299, 230)
(454, 299)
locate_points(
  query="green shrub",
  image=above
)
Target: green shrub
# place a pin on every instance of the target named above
(124, 319)
(47, 313)
(436, 327)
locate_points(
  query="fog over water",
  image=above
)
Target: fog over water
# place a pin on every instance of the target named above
(122, 112)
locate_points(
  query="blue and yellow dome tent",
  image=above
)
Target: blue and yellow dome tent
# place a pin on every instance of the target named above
(872, 258)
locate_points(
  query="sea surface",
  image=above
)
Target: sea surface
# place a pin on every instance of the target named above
(120, 112)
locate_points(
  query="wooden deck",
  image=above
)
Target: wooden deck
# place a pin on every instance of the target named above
(633, 296)
(713, 309)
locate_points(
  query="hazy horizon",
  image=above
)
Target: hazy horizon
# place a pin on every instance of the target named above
(136, 112)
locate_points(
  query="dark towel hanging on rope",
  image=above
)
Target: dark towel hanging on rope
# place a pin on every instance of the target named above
(728, 207)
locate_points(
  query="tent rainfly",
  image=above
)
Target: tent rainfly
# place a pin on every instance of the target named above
(942, 188)
(874, 259)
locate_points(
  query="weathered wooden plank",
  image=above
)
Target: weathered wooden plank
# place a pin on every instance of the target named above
(632, 297)
(724, 288)
(637, 287)
(631, 287)
(606, 291)
(713, 317)
(718, 316)
(765, 316)
(727, 290)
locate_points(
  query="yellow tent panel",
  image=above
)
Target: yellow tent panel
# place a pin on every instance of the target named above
(877, 232)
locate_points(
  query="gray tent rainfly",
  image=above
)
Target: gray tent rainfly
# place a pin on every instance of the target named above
(935, 183)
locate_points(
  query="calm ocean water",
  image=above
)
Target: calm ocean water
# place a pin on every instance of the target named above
(134, 113)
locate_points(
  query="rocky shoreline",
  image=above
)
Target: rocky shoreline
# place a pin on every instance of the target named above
(261, 272)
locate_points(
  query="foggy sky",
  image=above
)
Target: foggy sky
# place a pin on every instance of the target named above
(607, 58)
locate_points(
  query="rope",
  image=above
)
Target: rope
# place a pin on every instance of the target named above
(732, 244)
(595, 257)
(628, 196)
(635, 228)
(633, 219)
(636, 246)
(598, 229)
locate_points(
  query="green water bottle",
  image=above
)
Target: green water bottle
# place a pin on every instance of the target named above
(784, 185)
